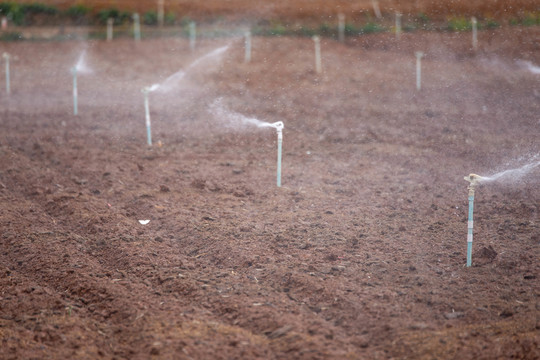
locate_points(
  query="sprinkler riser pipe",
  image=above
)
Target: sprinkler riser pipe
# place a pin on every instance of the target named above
(470, 225)
(341, 28)
(398, 26)
(137, 27)
(247, 57)
(419, 55)
(147, 118)
(160, 12)
(376, 8)
(280, 143)
(192, 35)
(318, 62)
(110, 22)
(75, 92)
(8, 83)
(474, 33)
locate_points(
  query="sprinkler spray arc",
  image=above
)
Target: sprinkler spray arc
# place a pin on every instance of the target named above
(473, 180)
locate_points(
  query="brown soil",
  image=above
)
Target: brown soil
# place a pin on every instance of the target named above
(361, 253)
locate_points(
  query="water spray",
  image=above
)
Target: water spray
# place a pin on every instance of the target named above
(419, 56)
(474, 33)
(222, 112)
(146, 91)
(398, 25)
(110, 22)
(137, 27)
(318, 64)
(6, 56)
(75, 95)
(192, 35)
(247, 44)
(473, 180)
(341, 27)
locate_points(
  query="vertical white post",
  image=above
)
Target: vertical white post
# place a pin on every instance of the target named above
(110, 23)
(279, 127)
(318, 62)
(398, 26)
(419, 55)
(192, 35)
(8, 85)
(147, 116)
(474, 33)
(75, 93)
(160, 12)
(376, 8)
(137, 27)
(4, 23)
(470, 224)
(247, 57)
(341, 27)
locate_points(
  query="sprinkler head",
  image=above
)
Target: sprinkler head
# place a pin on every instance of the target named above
(278, 125)
(419, 54)
(5, 55)
(473, 179)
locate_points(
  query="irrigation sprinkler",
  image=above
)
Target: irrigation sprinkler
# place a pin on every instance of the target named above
(341, 27)
(247, 44)
(376, 8)
(146, 91)
(137, 27)
(474, 24)
(192, 35)
(473, 180)
(110, 23)
(279, 128)
(8, 85)
(398, 25)
(318, 64)
(160, 12)
(75, 95)
(419, 56)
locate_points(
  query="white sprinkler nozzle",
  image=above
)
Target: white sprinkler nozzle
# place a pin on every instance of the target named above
(474, 179)
(278, 125)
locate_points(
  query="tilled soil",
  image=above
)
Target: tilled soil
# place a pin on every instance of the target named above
(361, 252)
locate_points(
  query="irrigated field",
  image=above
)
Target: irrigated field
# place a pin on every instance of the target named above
(359, 255)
